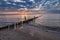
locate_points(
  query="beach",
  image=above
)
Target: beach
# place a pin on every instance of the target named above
(28, 32)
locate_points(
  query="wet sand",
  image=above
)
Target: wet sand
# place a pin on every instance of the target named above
(28, 32)
(14, 35)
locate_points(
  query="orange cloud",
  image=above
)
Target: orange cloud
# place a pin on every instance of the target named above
(22, 13)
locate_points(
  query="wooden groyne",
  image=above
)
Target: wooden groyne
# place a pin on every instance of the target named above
(18, 23)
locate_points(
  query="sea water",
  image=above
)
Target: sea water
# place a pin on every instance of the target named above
(45, 19)
(49, 20)
(6, 19)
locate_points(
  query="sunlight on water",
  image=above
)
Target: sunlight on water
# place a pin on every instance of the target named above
(49, 20)
(11, 19)
(45, 19)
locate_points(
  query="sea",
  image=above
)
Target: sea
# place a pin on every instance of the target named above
(8, 19)
(45, 19)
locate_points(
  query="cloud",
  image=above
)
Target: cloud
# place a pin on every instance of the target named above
(8, 2)
(29, 4)
(54, 11)
(16, 0)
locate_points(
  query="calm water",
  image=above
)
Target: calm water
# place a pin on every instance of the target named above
(12, 19)
(45, 19)
(49, 20)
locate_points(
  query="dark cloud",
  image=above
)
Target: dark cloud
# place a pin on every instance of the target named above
(11, 4)
(55, 11)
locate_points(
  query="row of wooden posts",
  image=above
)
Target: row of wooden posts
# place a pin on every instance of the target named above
(18, 24)
(15, 26)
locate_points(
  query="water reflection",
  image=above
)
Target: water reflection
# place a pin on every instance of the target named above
(11, 19)
(45, 19)
(49, 20)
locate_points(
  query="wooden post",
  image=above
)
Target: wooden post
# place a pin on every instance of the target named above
(34, 20)
(8, 28)
(15, 26)
(25, 18)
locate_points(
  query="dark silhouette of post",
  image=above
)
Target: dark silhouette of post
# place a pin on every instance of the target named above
(34, 20)
(25, 18)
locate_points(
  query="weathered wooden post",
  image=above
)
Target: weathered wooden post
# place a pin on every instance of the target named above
(25, 18)
(8, 28)
(34, 20)
(15, 26)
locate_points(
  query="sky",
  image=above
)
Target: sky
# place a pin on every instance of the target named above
(52, 6)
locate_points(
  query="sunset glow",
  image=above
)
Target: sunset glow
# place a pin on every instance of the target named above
(21, 13)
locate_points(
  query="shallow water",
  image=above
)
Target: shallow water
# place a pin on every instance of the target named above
(49, 20)
(45, 19)
(11, 19)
